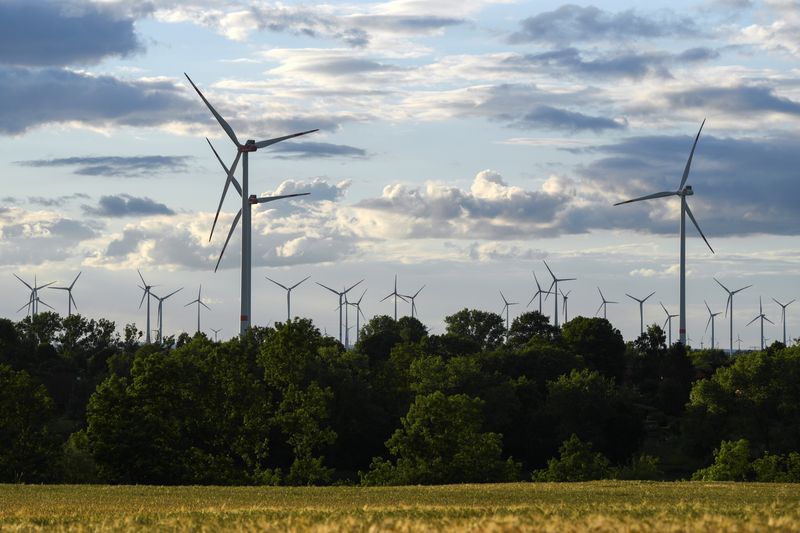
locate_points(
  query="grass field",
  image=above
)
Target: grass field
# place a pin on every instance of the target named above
(597, 506)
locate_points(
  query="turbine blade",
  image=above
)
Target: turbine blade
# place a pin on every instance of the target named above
(664, 308)
(24, 306)
(386, 297)
(756, 318)
(728, 302)
(265, 199)
(696, 225)
(707, 324)
(707, 307)
(76, 279)
(23, 281)
(649, 295)
(532, 299)
(228, 171)
(326, 287)
(204, 305)
(269, 142)
(142, 278)
(228, 181)
(145, 293)
(278, 284)
(419, 291)
(233, 227)
(691, 155)
(537, 281)
(598, 309)
(51, 307)
(721, 285)
(548, 269)
(222, 122)
(765, 318)
(352, 287)
(743, 288)
(173, 292)
(74, 303)
(298, 283)
(648, 197)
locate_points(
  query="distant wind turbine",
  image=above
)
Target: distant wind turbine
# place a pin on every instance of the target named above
(357, 305)
(783, 316)
(682, 192)
(413, 301)
(739, 343)
(668, 322)
(554, 287)
(216, 332)
(33, 297)
(288, 295)
(729, 305)
(146, 294)
(70, 299)
(199, 302)
(641, 309)
(248, 201)
(711, 317)
(539, 292)
(604, 304)
(341, 296)
(565, 296)
(761, 317)
(396, 296)
(161, 313)
(506, 306)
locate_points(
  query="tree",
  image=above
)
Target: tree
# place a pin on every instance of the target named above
(486, 330)
(528, 325)
(440, 441)
(577, 462)
(731, 463)
(599, 344)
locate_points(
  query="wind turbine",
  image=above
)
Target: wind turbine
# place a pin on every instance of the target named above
(682, 192)
(641, 309)
(33, 298)
(248, 201)
(539, 292)
(783, 316)
(554, 285)
(566, 300)
(762, 318)
(216, 332)
(340, 295)
(161, 313)
(729, 304)
(147, 293)
(668, 321)
(603, 305)
(413, 303)
(506, 305)
(70, 299)
(711, 317)
(396, 296)
(357, 305)
(199, 302)
(739, 342)
(288, 295)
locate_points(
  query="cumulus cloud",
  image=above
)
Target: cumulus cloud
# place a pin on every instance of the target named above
(571, 23)
(125, 205)
(48, 33)
(115, 166)
(319, 189)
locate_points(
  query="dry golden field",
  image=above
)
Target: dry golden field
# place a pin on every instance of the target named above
(596, 506)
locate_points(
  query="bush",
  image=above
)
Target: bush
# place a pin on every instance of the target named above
(778, 468)
(642, 467)
(731, 463)
(577, 463)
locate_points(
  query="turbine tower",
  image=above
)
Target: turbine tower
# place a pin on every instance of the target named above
(70, 299)
(248, 201)
(147, 293)
(641, 309)
(711, 317)
(216, 332)
(682, 192)
(554, 286)
(357, 305)
(288, 295)
(506, 305)
(33, 298)
(604, 304)
(762, 318)
(161, 313)
(668, 321)
(340, 295)
(396, 296)
(199, 302)
(539, 292)
(729, 304)
(413, 302)
(565, 296)
(783, 316)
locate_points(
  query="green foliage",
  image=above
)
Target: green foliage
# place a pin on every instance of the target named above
(440, 441)
(777, 468)
(641, 467)
(599, 344)
(529, 325)
(577, 462)
(485, 330)
(77, 463)
(731, 463)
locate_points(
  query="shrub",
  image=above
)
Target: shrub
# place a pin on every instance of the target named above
(731, 463)
(577, 463)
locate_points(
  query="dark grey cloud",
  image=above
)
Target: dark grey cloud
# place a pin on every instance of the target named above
(318, 150)
(571, 23)
(413, 24)
(116, 166)
(34, 97)
(56, 201)
(346, 66)
(51, 33)
(560, 119)
(735, 100)
(125, 205)
(632, 65)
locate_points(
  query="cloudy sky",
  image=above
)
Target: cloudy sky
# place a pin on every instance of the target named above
(460, 144)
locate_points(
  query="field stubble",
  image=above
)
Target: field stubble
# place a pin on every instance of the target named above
(571, 507)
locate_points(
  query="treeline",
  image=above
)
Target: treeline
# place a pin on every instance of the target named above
(287, 405)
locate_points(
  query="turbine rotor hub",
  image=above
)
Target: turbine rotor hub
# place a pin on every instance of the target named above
(687, 191)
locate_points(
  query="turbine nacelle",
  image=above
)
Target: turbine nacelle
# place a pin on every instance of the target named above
(687, 191)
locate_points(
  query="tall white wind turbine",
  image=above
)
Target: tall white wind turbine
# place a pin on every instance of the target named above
(762, 317)
(539, 292)
(70, 299)
(199, 301)
(396, 296)
(161, 312)
(641, 309)
(146, 294)
(554, 287)
(506, 306)
(668, 322)
(288, 294)
(711, 317)
(341, 301)
(248, 201)
(413, 298)
(729, 306)
(682, 192)
(604, 304)
(783, 316)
